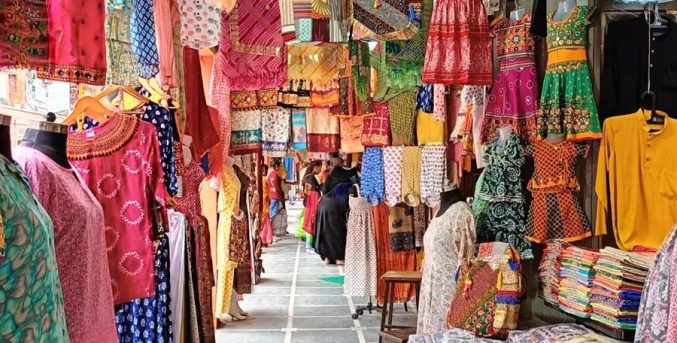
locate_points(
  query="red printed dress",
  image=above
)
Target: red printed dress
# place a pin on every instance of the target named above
(555, 212)
(458, 50)
(119, 161)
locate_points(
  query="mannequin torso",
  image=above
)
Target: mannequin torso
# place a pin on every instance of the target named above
(5, 140)
(564, 8)
(447, 199)
(52, 144)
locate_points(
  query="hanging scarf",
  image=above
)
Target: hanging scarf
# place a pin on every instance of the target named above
(299, 129)
(323, 130)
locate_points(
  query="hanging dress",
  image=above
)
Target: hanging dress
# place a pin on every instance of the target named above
(360, 267)
(567, 101)
(513, 100)
(499, 204)
(458, 50)
(447, 242)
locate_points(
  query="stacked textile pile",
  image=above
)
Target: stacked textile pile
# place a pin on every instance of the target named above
(548, 271)
(576, 278)
(617, 288)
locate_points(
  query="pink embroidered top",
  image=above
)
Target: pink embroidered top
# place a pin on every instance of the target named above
(80, 246)
(120, 163)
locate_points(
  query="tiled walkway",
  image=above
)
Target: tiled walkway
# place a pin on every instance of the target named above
(293, 304)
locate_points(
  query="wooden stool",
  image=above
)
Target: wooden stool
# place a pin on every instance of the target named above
(391, 279)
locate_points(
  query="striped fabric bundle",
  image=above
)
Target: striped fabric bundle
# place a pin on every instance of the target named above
(617, 288)
(577, 275)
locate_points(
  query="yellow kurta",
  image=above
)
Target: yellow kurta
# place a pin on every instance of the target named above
(637, 181)
(411, 175)
(228, 204)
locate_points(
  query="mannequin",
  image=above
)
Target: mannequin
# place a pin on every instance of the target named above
(518, 13)
(49, 139)
(555, 138)
(503, 134)
(564, 8)
(5, 140)
(449, 196)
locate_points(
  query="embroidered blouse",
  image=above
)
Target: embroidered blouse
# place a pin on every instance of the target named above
(119, 161)
(80, 246)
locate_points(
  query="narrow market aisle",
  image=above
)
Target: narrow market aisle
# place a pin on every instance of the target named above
(292, 303)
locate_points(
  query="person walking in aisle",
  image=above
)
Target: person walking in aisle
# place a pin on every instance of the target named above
(277, 211)
(311, 189)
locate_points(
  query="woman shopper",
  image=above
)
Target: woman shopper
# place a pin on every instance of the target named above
(311, 189)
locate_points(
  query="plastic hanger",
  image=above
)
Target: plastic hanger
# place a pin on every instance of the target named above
(91, 107)
(125, 104)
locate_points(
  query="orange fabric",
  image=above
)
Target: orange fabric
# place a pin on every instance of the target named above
(388, 260)
(566, 55)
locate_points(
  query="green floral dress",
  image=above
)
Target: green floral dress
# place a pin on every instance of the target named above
(31, 301)
(499, 205)
(567, 102)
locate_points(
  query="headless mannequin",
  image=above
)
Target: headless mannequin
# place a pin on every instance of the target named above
(448, 198)
(5, 140)
(503, 134)
(555, 138)
(518, 13)
(564, 8)
(52, 144)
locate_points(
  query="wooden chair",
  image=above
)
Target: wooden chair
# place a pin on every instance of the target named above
(397, 333)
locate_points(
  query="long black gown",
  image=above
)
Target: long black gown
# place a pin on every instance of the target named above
(332, 215)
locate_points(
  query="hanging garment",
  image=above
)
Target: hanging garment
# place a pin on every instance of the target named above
(28, 247)
(177, 270)
(252, 52)
(658, 297)
(121, 166)
(387, 259)
(448, 241)
(246, 134)
(77, 47)
(151, 317)
(360, 267)
(392, 174)
(624, 76)
(428, 129)
(459, 49)
(304, 29)
(372, 179)
(433, 172)
(402, 109)
(555, 212)
(200, 23)
(473, 104)
(424, 98)
(239, 250)
(499, 201)
(251, 100)
(162, 11)
(316, 64)
(299, 129)
(351, 134)
(205, 132)
(26, 42)
(513, 100)
(80, 243)
(420, 222)
(143, 37)
(567, 102)
(275, 127)
(439, 102)
(635, 183)
(411, 175)
(220, 100)
(323, 130)
(401, 219)
(122, 68)
(167, 134)
(390, 16)
(376, 128)
(229, 204)
(360, 75)
(539, 26)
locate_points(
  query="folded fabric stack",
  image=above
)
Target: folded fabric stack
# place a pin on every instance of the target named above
(617, 288)
(576, 279)
(548, 271)
(558, 333)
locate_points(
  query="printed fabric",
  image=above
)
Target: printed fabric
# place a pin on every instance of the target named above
(459, 48)
(499, 201)
(402, 109)
(513, 100)
(200, 23)
(433, 173)
(657, 318)
(372, 180)
(448, 241)
(29, 247)
(390, 16)
(323, 130)
(555, 213)
(360, 263)
(550, 333)
(246, 132)
(122, 68)
(473, 104)
(149, 319)
(251, 50)
(80, 244)
(275, 131)
(376, 130)
(77, 42)
(144, 45)
(439, 102)
(401, 233)
(392, 173)
(452, 335)
(167, 133)
(24, 42)
(424, 98)
(351, 134)
(411, 175)
(299, 129)
(567, 102)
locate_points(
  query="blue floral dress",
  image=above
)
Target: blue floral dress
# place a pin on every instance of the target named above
(372, 182)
